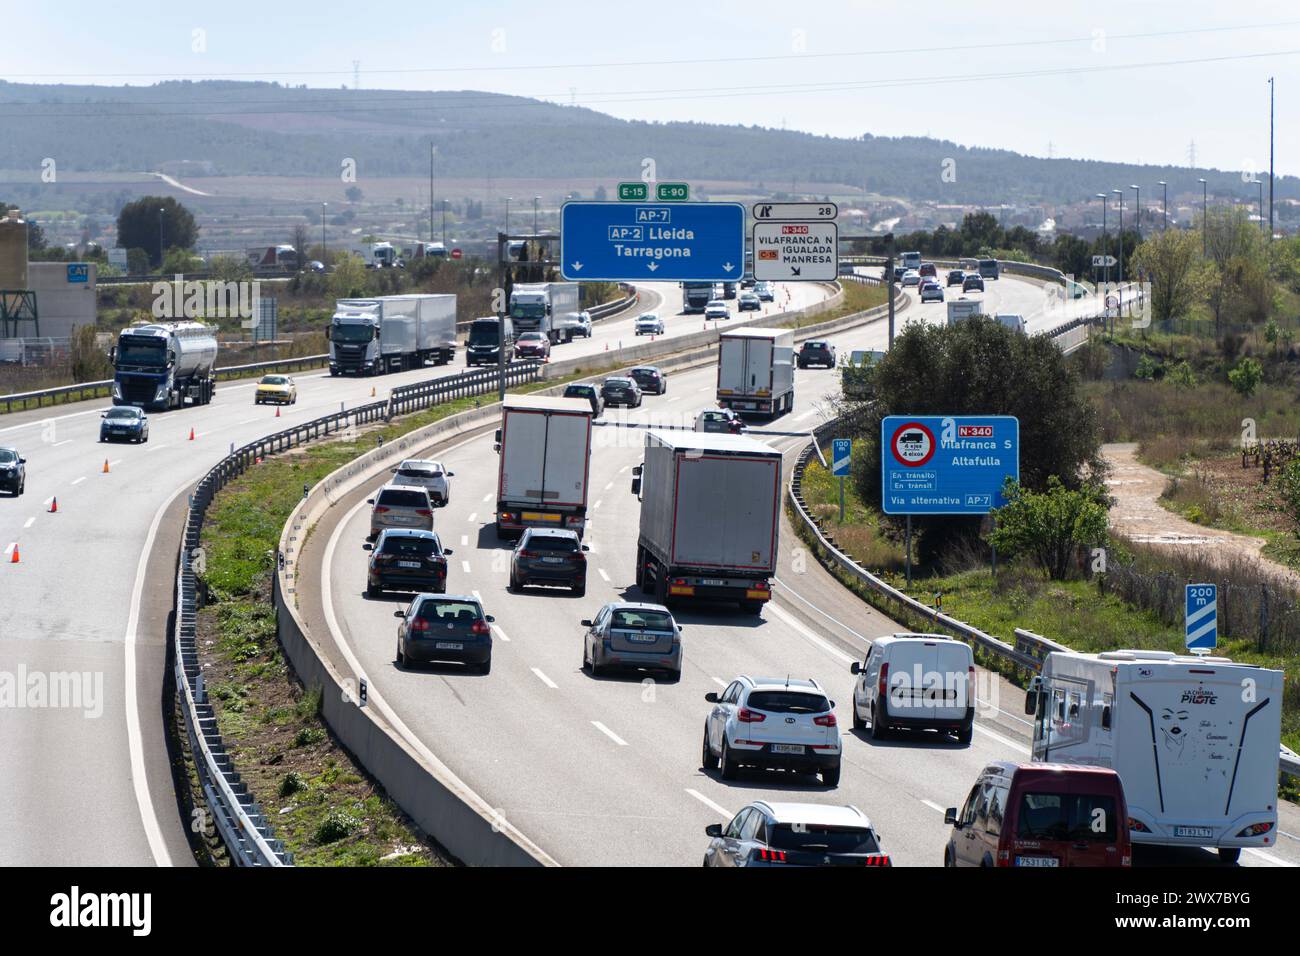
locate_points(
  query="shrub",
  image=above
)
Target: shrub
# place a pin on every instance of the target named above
(1245, 378)
(1051, 526)
(336, 825)
(291, 783)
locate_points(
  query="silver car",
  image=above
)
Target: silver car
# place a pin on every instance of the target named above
(649, 324)
(717, 309)
(400, 506)
(627, 634)
(426, 474)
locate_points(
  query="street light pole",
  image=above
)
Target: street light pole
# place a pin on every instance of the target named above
(1260, 183)
(508, 198)
(324, 251)
(432, 150)
(160, 238)
(1105, 275)
(444, 226)
(1138, 189)
(1164, 206)
(1205, 218)
(502, 239)
(536, 199)
(1120, 263)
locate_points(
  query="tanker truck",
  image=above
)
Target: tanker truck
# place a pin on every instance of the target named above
(159, 366)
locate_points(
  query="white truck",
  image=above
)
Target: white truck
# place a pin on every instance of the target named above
(545, 458)
(710, 518)
(391, 333)
(264, 259)
(1195, 740)
(961, 309)
(546, 307)
(756, 371)
(383, 255)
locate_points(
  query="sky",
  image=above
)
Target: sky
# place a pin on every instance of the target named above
(1108, 80)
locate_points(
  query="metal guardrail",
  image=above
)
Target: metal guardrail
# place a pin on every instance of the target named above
(244, 829)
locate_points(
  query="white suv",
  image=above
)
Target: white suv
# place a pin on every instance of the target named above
(915, 682)
(772, 722)
(429, 475)
(649, 324)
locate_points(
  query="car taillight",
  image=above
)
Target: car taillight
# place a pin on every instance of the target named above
(1004, 857)
(1138, 826)
(1126, 859)
(421, 625)
(380, 509)
(526, 553)
(747, 716)
(883, 689)
(481, 627)
(877, 859)
(1255, 829)
(970, 686)
(825, 720)
(765, 855)
(423, 512)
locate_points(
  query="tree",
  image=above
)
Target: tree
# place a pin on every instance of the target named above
(180, 261)
(1245, 378)
(353, 193)
(1238, 277)
(301, 239)
(1171, 262)
(348, 280)
(138, 226)
(601, 194)
(137, 262)
(1051, 526)
(1288, 490)
(35, 236)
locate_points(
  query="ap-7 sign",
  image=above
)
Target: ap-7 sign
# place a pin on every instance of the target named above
(947, 465)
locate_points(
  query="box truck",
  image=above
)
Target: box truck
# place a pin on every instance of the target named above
(159, 366)
(756, 371)
(545, 307)
(391, 333)
(961, 309)
(1195, 740)
(545, 457)
(710, 512)
(281, 258)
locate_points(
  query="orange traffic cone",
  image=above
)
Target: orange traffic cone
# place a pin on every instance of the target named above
(192, 430)
(277, 411)
(106, 466)
(13, 558)
(54, 505)
(372, 391)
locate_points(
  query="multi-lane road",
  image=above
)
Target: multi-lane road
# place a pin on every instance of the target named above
(607, 771)
(88, 783)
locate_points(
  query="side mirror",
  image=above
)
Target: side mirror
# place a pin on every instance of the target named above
(711, 697)
(636, 470)
(636, 486)
(855, 667)
(370, 501)
(103, 414)
(586, 622)
(950, 816)
(327, 333)
(586, 547)
(489, 618)
(1105, 717)
(399, 614)
(367, 547)
(451, 474)
(1031, 702)
(713, 830)
(679, 628)
(393, 470)
(448, 551)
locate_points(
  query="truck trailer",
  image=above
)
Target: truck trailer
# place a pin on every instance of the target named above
(159, 366)
(264, 259)
(961, 309)
(545, 307)
(545, 457)
(391, 333)
(1195, 740)
(756, 371)
(710, 516)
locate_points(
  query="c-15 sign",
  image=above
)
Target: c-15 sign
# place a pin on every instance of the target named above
(947, 465)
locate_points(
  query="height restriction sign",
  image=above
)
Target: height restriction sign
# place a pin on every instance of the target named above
(796, 251)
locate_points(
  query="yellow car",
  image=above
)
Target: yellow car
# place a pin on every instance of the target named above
(276, 388)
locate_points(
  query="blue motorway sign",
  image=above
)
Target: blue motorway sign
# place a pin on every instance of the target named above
(663, 242)
(1202, 617)
(841, 457)
(947, 465)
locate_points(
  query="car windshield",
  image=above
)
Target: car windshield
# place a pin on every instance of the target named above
(399, 498)
(1067, 816)
(352, 332)
(483, 333)
(128, 414)
(419, 471)
(618, 382)
(642, 619)
(411, 544)
(445, 612)
(578, 391)
(274, 380)
(645, 373)
(816, 346)
(141, 352)
(551, 542)
(8, 456)
(822, 839)
(788, 702)
(531, 337)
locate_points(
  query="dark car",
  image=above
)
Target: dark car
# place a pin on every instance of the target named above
(621, 391)
(533, 345)
(899, 272)
(956, 277)
(767, 833)
(588, 392)
(13, 471)
(124, 423)
(972, 282)
(449, 628)
(816, 353)
(719, 420)
(750, 302)
(650, 379)
(406, 561)
(549, 556)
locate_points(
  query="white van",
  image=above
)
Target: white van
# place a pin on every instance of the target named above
(915, 682)
(1195, 740)
(1011, 320)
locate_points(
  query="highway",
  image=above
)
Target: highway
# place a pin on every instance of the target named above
(88, 783)
(606, 771)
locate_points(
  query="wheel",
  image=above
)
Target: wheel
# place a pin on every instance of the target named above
(640, 570)
(400, 659)
(1229, 854)
(751, 607)
(596, 669)
(674, 676)
(729, 767)
(485, 667)
(831, 778)
(964, 735)
(579, 590)
(661, 585)
(878, 730)
(373, 591)
(707, 760)
(858, 722)
(514, 586)
(947, 858)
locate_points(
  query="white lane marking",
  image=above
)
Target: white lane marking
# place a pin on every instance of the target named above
(807, 414)
(601, 572)
(1268, 858)
(673, 399)
(472, 516)
(10, 550)
(597, 504)
(58, 418)
(488, 496)
(544, 679)
(722, 811)
(135, 741)
(247, 421)
(1005, 741)
(464, 565)
(720, 682)
(60, 444)
(77, 481)
(933, 806)
(790, 621)
(624, 468)
(609, 733)
(609, 486)
(153, 447)
(115, 461)
(30, 522)
(500, 633)
(381, 705)
(464, 540)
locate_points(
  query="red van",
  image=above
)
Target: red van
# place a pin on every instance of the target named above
(1042, 815)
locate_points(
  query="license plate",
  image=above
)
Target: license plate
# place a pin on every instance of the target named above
(787, 748)
(715, 582)
(539, 516)
(450, 646)
(1037, 861)
(1203, 832)
(408, 564)
(552, 560)
(641, 638)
